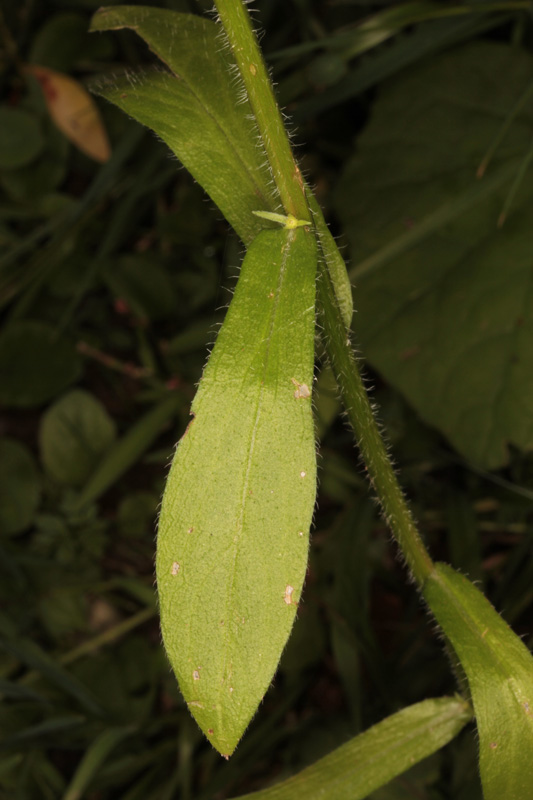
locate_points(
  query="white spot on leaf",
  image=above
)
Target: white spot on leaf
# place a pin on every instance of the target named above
(302, 389)
(288, 594)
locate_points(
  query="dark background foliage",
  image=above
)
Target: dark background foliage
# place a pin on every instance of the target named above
(113, 280)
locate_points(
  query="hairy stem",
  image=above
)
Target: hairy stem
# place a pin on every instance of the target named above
(291, 187)
(373, 450)
(287, 176)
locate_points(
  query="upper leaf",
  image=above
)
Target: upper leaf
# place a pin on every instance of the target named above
(499, 668)
(202, 112)
(234, 525)
(197, 108)
(443, 296)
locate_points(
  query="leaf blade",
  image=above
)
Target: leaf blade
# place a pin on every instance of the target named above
(376, 756)
(198, 111)
(499, 669)
(233, 532)
(444, 301)
(207, 123)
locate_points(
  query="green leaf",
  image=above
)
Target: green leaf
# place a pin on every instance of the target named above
(75, 432)
(443, 301)
(42, 732)
(334, 261)
(499, 668)
(125, 453)
(32, 183)
(197, 110)
(33, 656)
(144, 285)
(21, 139)
(59, 42)
(233, 532)
(207, 121)
(136, 513)
(410, 48)
(35, 364)
(376, 756)
(93, 760)
(20, 487)
(63, 609)
(418, 782)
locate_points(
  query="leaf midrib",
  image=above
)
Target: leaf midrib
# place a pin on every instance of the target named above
(244, 496)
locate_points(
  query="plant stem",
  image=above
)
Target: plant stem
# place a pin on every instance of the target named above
(374, 453)
(287, 176)
(238, 27)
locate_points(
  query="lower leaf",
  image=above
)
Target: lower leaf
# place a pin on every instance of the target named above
(376, 756)
(499, 668)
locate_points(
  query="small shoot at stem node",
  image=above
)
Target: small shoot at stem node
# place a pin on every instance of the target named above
(288, 221)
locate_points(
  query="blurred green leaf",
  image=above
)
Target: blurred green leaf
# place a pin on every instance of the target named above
(35, 364)
(307, 642)
(21, 139)
(58, 43)
(63, 41)
(499, 668)
(443, 305)
(32, 183)
(127, 449)
(145, 286)
(425, 40)
(14, 690)
(34, 656)
(124, 678)
(376, 756)
(41, 732)
(463, 535)
(137, 512)
(63, 609)
(9, 763)
(20, 487)
(327, 404)
(93, 759)
(75, 433)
